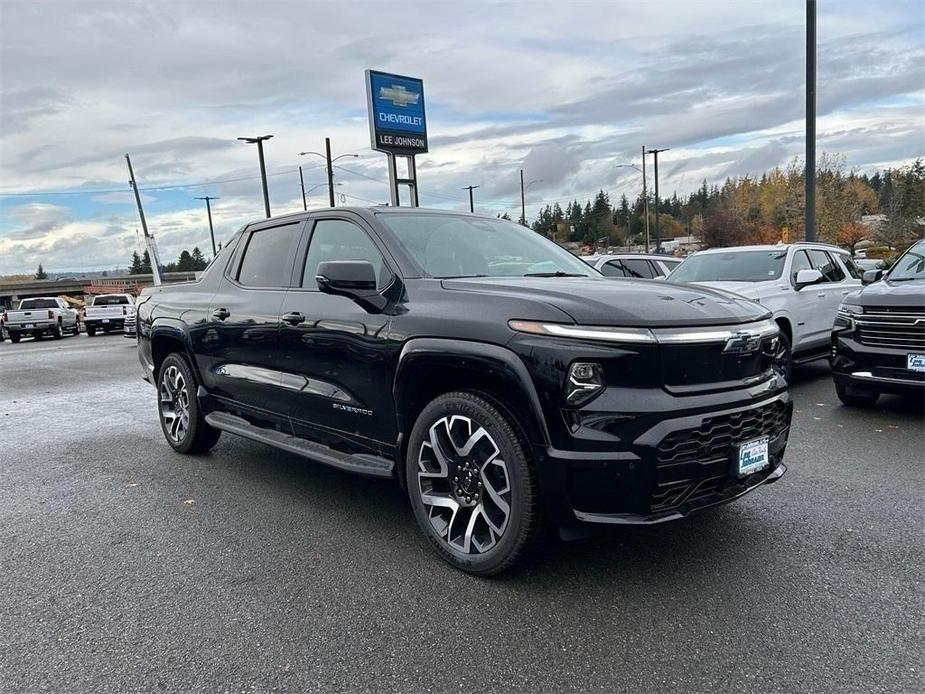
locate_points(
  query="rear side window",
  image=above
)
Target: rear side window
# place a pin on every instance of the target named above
(612, 268)
(800, 262)
(266, 258)
(638, 268)
(27, 304)
(853, 269)
(824, 264)
(336, 239)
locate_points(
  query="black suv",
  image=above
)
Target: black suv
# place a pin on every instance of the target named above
(494, 375)
(878, 342)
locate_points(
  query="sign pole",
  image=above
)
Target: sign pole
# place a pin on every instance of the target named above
(413, 181)
(393, 180)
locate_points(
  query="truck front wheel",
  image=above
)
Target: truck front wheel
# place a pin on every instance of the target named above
(182, 421)
(14, 337)
(471, 483)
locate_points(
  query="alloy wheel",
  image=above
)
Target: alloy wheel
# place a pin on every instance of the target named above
(175, 404)
(464, 484)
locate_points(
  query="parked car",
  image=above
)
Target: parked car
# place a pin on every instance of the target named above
(802, 284)
(865, 264)
(107, 312)
(46, 315)
(499, 379)
(635, 265)
(878, 342)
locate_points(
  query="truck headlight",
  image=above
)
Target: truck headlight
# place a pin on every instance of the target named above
(584, 382)
(848, 312)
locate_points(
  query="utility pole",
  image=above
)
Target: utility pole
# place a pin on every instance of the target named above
(263, 169)
(810, 175)
(654, 153)
(645, 196)
(471, 188)
(327, 153)
(302, 183)
(208, 198)
(523, 201)
(149, 240)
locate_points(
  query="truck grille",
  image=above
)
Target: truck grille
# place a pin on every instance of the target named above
(696, 462)
(894, 327)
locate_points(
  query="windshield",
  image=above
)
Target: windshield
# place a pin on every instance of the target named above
(26, 304)
(734, 266)
(462, 246)
(911, 266)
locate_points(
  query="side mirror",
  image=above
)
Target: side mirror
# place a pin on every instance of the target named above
(871, 276)
(346, 277)
(807, 277)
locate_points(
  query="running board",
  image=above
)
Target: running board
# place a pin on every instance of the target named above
(801, 359)
(360, 463)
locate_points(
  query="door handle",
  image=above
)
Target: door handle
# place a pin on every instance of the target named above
(821, 296)
(221, 313)
(293, 318)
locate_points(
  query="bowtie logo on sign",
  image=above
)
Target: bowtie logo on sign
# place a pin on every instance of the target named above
(398, 95)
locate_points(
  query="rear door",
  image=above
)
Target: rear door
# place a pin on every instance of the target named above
(237, 351)
(337, 359)
(640, 268)
(831, 290)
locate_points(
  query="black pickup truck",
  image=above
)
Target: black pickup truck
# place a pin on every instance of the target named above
(504, 383)
(878, 340)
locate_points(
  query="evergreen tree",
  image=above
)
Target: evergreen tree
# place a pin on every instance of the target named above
(40, 274)
(135, 268)
(199, 262)
(185, 261)
(146, 263)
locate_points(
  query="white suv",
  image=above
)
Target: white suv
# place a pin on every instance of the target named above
(802, 284)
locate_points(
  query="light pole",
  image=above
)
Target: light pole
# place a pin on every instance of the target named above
(208, 198)
(645, 196)
(330, 162)
(523, 199)
(471, 202)
(654, 153)
(810, 175)
(302, 184)
(263, 169)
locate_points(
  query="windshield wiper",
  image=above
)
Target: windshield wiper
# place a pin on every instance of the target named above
(557, 273)
(906, 279)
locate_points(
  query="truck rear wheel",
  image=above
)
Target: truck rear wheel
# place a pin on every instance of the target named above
(91, 330)
(472, 485)
(181, 419)
(56, 332)
(14, 337)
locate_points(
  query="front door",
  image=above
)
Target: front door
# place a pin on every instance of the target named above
(238, 349)
(337, 359)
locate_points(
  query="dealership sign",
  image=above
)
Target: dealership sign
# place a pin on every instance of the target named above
(397, 123)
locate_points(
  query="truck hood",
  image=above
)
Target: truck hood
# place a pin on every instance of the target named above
(886, 293)
(620, 302)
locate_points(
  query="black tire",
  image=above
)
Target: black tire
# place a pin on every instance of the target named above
(853, 396)
(783, 358)
(76, 328)
(193, 435)
(91, 330)
(56, 332)
(497, 459)
(14, 338)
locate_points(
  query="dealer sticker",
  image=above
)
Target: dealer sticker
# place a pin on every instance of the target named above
(915, 362)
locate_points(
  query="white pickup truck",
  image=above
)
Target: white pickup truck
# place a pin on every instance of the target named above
(108, 312)
(802, 284)
(44, 315)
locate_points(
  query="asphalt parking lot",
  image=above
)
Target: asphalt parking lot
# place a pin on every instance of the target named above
(125, 567)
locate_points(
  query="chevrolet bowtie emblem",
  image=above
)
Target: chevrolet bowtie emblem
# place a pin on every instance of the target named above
(742, 342)
(398, 95)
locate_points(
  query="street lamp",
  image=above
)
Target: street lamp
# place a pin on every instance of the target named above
(263, 169)
(208, 199)
(327, 157)
(523, 199)
(645, 196)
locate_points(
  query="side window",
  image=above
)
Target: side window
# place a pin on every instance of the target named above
(612, 268)
(800, 262)
(639, 268)
(267, 256)
(336, 239)
(828, 267)
(852, 267)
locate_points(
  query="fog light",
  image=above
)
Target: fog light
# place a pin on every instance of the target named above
(585, 381)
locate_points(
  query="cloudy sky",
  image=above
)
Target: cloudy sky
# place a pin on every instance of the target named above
(565, 90)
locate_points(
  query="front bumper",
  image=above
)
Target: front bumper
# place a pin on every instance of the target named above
(685, 462)
(870, 367)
